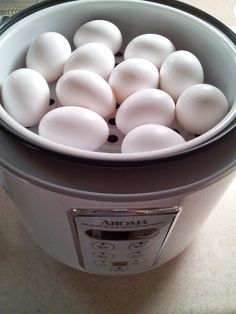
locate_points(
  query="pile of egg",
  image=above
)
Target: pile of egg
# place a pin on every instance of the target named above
(154, 85)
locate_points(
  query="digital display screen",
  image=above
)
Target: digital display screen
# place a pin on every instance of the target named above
(122, 235)
(120, 264)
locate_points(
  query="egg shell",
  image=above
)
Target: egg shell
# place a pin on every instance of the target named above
(86, 89)
(180, 70)
(152, 47)
(150, 137)
(75, 127)
(48, 54)
(101, 31)
(201, 107)
(95, 57)
(131, 76)
(148, 106)
(25, 96)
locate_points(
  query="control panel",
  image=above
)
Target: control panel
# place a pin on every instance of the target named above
(120, 241)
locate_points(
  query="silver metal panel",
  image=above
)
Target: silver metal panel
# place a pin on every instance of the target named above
(121, 241)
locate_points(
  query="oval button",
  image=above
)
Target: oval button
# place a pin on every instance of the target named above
(139, 245)
(103, 263)
(103, 246)
(103, 255)
(135, 254)
(136, 261)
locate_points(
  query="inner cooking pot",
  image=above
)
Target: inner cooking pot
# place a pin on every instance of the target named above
(214, 50)
(168, 171)
(144, 208)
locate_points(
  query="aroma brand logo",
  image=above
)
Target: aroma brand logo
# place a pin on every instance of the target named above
(124, 223)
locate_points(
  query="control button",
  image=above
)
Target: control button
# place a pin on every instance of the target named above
(146, 233)
(136, 254)
(103, 263)
(103, 246)
(139, 245)
(103, 255)
(118, 269)
(136, 261)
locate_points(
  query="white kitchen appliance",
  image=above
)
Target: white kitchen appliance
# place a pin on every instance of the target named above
(104, 212)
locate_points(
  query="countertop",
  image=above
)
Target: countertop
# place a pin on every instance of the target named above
(200, 280)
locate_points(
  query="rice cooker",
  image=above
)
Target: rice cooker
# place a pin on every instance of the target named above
(105, 212)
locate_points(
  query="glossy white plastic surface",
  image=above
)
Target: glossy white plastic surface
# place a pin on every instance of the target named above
(48, 224)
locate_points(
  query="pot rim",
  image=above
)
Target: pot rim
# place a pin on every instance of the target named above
(126, 159)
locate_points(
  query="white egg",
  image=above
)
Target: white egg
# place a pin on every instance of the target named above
(100, 31)
(74, 126)
(201, 107)
(95, 57)
(148, 106)
(25, 96)
(86, 89)
(131, 76)
(152, 47)
(48, 54)
(180, 70)
(150, 137)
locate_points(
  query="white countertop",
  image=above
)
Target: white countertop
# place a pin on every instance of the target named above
(200, 280)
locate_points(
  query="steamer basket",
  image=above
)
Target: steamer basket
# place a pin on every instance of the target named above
(214, 50)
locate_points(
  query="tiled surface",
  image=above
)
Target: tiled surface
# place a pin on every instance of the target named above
(12, 7)
(201, 280)
(221, 9)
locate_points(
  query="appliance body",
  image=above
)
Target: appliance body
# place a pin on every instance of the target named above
(48, 217)
(117, 216)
